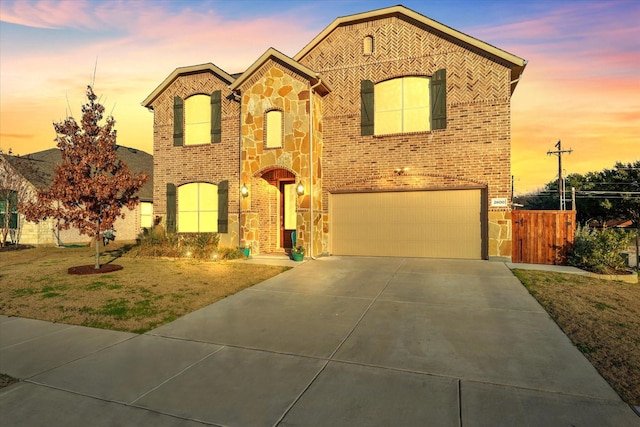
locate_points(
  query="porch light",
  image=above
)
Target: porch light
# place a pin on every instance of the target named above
(300, 189)
(401, 171)
(244, 190)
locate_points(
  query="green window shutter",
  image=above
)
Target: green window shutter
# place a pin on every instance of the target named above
(178, 121)
(223, 207)
(366, 107)
(216, 116)
(439, 100)
(171, 208)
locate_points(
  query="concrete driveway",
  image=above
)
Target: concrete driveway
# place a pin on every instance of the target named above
(341, 341)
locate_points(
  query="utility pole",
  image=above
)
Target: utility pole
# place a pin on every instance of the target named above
(559, 152)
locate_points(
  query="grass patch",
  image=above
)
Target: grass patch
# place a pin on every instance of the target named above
(147, 293)
(602, 319)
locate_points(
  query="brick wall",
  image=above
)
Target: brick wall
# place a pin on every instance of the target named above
(210, 163)
(474, 149)
(472, 152)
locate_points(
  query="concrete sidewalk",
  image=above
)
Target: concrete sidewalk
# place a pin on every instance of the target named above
(340, 341)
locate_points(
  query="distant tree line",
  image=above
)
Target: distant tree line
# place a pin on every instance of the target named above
(609, 194)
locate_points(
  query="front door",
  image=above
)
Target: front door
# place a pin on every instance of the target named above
(287, 212)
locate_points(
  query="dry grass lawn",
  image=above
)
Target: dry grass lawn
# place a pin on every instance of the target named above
(601, 317)
(147, 293)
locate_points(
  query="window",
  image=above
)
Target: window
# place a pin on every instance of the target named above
(197, 116)
(9, 205)
(274, 129)
(146, 214)
(198, 208)
(402, 105)
(405, 104)
(367, 48)
(197, 120)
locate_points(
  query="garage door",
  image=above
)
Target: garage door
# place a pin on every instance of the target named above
(434, 224)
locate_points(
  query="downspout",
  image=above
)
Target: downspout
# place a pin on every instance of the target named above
(311, 88)
(238, 98)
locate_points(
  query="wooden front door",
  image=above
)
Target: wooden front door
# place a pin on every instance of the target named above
(287, 212)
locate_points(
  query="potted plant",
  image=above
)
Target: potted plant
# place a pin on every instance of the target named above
(246, 250)
(297, 253)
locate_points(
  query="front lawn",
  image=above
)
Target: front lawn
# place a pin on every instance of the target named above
(147, 293)
(602, 319)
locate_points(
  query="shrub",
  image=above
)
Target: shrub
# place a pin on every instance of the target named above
(599, 250)
(230, 253)
(199, 245)
(157, 242)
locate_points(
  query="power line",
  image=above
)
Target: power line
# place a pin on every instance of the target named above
(559, 152)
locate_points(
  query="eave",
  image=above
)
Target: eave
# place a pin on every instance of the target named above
(516, 64)
(192, 69)
(272, 54)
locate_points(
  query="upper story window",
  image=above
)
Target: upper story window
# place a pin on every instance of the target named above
(367, 48)
(402, 105)
(274, 129)
(197, 119)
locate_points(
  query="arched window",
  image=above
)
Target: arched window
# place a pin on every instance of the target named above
(197, 120)
(198, 208)
(274, 129)
(402, 105)
(367, 48)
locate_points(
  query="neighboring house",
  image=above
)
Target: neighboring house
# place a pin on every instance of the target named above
(387, 135)
(37, 171)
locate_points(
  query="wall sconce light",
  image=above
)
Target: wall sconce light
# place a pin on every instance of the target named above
(400, 171)
(244, 190)
(300, 189)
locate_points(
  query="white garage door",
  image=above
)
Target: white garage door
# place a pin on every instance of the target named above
(433, 224)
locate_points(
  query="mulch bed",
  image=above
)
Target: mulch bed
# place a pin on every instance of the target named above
(90, 269)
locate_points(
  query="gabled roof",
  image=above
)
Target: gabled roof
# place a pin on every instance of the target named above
(192, 69)
(39, 168)
(517, 64)
(271, 53)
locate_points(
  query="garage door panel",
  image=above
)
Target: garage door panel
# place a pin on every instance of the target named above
(436, 224)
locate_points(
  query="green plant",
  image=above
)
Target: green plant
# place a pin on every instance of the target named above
(598, 250)
(298, 250)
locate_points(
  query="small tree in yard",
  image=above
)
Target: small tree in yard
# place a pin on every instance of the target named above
(91, 185)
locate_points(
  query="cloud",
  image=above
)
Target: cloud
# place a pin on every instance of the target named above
(17, 135)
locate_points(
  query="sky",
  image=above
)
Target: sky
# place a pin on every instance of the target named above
(581, 84)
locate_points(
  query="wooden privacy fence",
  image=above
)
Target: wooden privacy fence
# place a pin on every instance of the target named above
(542, 237)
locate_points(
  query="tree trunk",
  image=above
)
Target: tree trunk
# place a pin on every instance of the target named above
(97, 266)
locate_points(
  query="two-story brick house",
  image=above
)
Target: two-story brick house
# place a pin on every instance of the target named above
(388, 134)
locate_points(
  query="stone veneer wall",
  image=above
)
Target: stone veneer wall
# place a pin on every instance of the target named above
(474, 149)
(210, 163)
(275, 86)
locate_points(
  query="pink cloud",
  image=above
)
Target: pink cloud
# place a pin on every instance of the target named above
(47, 14)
